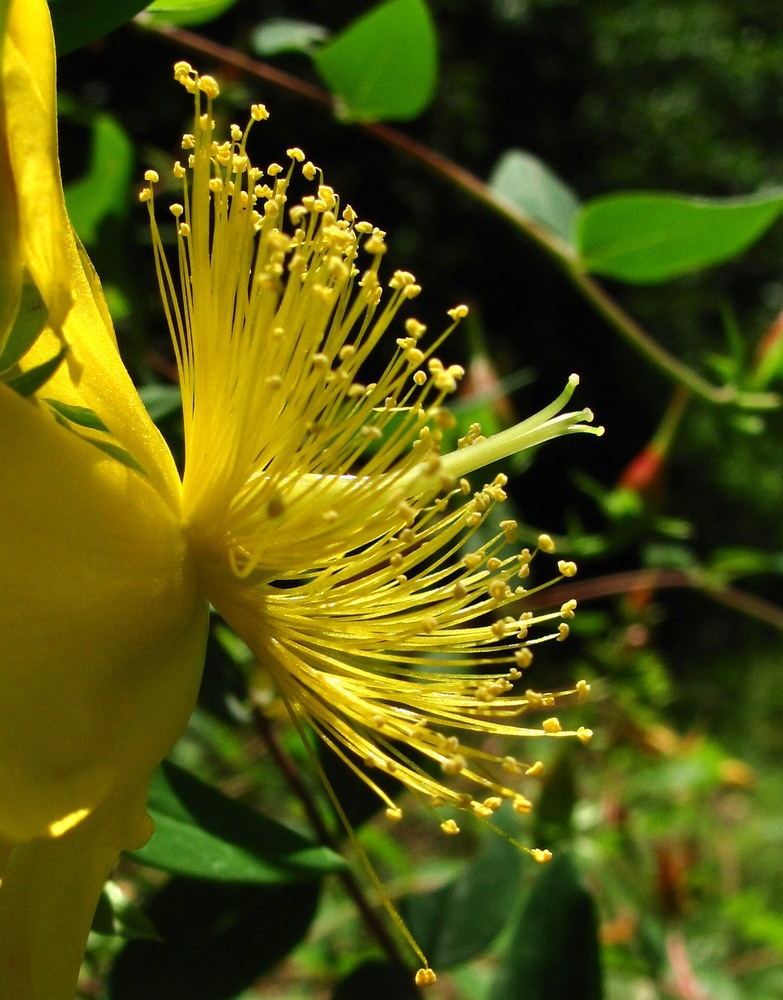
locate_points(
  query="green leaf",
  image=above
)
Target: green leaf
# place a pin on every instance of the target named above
(217, 939)
(77, 22)
(283, 34)
(462, 918)
(642, 238)
(82, 416)
(554, 952)
(30, 320)
(384, 65)
(34, 378)
(187, 11)
(161, 401)
(103, 190)
(201, 833)
(528, 184)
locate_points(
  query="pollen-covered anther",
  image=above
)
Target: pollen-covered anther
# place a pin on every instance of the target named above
(453, 765)
(563, 631)
(428, 625)
(375, 246)
(420, 378)
(566, 567)
(546, 543)
(473, 560)
(584, 735)
(258, 112)
(480, 810)
(449, 827)
(458, 312)
(499, 590)
(208, 85)
(541, 856)
(582, 689)
(425, 977)
(568, 608)
(414, 328)
(176, 210)
(494, 802)
(523, 657)
(551, 726)
(394, 813)
(522, 805)
(509, 529)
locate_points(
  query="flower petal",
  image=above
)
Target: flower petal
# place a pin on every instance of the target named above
(101, 627)
(94, 376)
(48, 895)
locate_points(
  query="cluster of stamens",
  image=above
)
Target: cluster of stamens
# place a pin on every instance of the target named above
(329, 498)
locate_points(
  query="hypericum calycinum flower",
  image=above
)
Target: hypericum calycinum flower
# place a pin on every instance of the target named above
(318, 513)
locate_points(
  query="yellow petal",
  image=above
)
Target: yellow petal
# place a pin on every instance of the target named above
(48, 896)
(94, 375)
(101, 627)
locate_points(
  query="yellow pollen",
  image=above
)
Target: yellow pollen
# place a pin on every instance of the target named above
(449, 827)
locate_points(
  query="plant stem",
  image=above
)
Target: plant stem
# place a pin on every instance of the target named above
(558, 250)
(667, 579)
(289, 771)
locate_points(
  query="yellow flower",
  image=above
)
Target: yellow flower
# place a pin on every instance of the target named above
(319, 512)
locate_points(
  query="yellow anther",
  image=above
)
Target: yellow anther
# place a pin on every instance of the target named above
(453, 765)
(567, 610)
(458, 312)
(420, 378)
(145, 194)
(295, 153)
(151, 176)
(425, 977)
(523, 657)
(428, 625)
(449, 827)
(184, 229)
(208, 85)
(566, 567)
(178, 170)
(546, 544)
(535, 770)
(414, 328)
(258, 112)
(541, 856)
(563, 631)
(176, 210)
(522, 805)
(494, 802)
(551, 725)
(394, 813)
(584, 735)
(582, 689)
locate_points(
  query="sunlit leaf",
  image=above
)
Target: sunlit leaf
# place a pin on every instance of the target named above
(77, 22)
(187, 11)
(528, 184)
(282, 34)
(643, 238)
(384, 65)
(201, 833)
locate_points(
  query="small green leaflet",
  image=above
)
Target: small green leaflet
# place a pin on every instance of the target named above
(30, 320)
(528, 184)
(201, 833)
(643, 238)
(383, 67)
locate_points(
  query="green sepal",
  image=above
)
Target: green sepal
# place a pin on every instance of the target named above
(30, 321)
(82, 416)
(34, 378)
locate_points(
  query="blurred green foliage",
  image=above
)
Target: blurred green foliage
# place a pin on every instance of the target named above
(668, 829)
